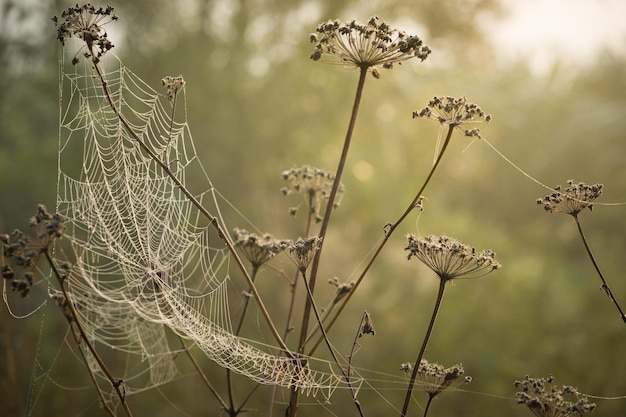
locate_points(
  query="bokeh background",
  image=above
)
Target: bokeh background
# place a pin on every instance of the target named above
(553, 76)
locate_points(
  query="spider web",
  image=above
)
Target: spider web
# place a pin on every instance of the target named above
(145, 262)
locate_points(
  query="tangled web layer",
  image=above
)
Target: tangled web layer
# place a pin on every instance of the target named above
(145, 260)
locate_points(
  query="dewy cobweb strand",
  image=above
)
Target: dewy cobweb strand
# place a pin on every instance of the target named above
(144, 259)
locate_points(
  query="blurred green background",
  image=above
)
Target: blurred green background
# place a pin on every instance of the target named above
(257, 105)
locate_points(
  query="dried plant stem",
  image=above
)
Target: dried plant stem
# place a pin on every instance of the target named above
(77, 339)
(330, 204)
(605, 286)
(430, 400)
(420, 355)
(291, 411)
(117, 384)
(202, 375)
(389, 229)
(212, 219)
(293, 286)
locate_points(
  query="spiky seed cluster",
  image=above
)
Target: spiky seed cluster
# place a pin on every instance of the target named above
(434, 378)
(21, 252)
(551, 401)
(366, 46)
(315, 184)
(572, 199)
(257, 249)
(454, 112)
(302, 251)
(342, 288)
(367, 325)
(173, 84)
(451, 259)
(86, 22)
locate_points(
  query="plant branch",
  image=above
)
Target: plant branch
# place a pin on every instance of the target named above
(389, 229)
(420, 356)
(605, 286)
(117, 384)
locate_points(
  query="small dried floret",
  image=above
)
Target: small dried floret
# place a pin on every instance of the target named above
(454, 112)
(314, 184)
(451, 259)
(367, 46)
(173, 86)
(342, 289)
(257, 249)
(546, 400)
(302, 251)
(367, 326)
(434, 378)
(86, 22)
(21, 251)
(572, 199)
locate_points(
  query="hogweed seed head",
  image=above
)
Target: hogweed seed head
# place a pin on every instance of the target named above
(302, 251)
(572, 199)
(454, 112)
(257, 249)
(87, 23)
(550, 401)
(315, 184)
(451, 259)
(366, 46)
(22, 251)
(434, 378)
(173, 84)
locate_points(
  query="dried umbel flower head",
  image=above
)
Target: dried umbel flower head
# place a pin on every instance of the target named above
(302, 251)
(434, 378)
(257, 249)
(86, 22)
(366, 46)
(173, 84)
(315, 184)
(572, 199)
(451, 259)
(454, 112)
(21, 251)
(342, 288)
(551, 401)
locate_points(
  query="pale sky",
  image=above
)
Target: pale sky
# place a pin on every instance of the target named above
(574, 30)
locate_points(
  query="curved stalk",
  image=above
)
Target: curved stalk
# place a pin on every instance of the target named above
(117, 384)
(420, 356)
(605, 286)
(329, 206)
(389, 229)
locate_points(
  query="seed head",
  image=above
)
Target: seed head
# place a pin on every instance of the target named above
(86, 22)
(434, 378)
(315, 184)
(367, 46)
(257, 249)
(451, 259)
(302, 251)
(571, 200)
(454, 112)
(550, 401)
(173, 86)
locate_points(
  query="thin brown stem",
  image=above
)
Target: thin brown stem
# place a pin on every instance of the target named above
(430, 400)
(605, 287)
(202, 375)
(420, 356)
(212, 219)
(389, 229)
(117, 384)
(330, 204)
(77, 340)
